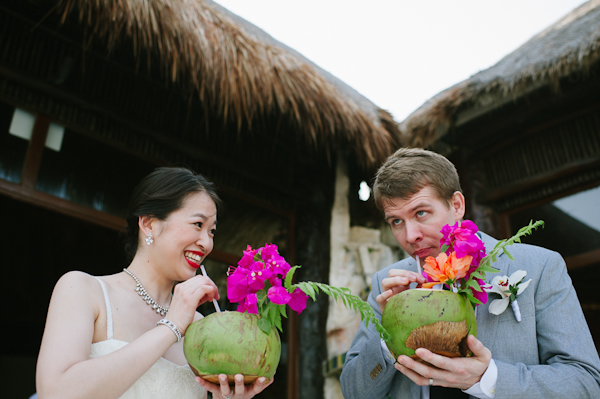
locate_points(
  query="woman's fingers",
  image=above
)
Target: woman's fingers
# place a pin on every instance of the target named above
(260, 384)
(187, 296)
(224, 386)
(238, 391)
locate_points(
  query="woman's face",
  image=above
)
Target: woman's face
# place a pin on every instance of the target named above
(185, 238)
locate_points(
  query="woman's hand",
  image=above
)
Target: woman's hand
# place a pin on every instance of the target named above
(187, 296)
(239, 391)
(398, 280)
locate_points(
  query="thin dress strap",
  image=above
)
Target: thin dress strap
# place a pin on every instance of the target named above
(109, 322)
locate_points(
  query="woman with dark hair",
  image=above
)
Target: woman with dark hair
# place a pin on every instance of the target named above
(119, 336)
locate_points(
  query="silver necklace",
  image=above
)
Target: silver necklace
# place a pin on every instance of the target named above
(139, 288)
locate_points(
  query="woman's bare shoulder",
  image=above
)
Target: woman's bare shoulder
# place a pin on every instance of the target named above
(76, 278)
(76, 284)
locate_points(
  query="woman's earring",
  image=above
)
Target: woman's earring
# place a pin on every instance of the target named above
(149, 239)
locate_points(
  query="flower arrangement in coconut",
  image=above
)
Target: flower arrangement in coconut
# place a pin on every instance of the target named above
(463, 263)
(442, 320)
(246, 342)
(261, 284)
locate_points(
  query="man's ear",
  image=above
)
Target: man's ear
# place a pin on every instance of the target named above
(457, 203)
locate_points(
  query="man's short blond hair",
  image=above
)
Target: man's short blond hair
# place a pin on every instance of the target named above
(409, 170)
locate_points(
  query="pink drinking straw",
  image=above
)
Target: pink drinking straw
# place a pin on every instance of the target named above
(214, 300)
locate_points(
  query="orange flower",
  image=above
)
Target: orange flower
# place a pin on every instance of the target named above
(445, 267)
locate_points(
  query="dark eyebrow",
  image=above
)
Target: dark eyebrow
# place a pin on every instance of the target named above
(390, 217)
(422, 204)
(202, 216)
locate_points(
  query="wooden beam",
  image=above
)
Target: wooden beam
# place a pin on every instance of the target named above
(35, 150)
(62, 206)
(540, 179)
(582, 260)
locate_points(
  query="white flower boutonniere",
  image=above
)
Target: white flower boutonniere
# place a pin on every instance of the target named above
(509, 289)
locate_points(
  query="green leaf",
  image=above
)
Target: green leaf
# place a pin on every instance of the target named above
(265, 325)
(288, 278)
(351, 301)
(282, 310)
(509, 255)
(272, 312)
(278, 321)
(261, 296)
(475, 285)
(308, 290)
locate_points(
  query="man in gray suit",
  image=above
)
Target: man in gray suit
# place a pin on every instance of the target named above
(549, 354)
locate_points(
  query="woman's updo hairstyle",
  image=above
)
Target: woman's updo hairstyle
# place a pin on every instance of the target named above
(159, 194)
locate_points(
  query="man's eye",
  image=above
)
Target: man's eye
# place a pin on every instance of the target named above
(396, 222)
(421, 213)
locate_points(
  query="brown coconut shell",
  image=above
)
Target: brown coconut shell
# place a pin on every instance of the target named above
(453, 342)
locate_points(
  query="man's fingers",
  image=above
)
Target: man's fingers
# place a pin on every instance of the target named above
(404, 365)
(383, 298)
(478, 349)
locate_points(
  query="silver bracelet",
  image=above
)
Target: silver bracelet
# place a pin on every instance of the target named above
(172, 326)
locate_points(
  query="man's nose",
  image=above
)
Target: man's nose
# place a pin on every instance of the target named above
(413, 233)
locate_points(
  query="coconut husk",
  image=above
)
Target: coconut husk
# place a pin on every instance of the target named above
(444, 338)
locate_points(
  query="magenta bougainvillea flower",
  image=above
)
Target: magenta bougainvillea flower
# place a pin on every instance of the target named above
(461, 242)
(261, 284)
(462, 238)
(248, 304)
(258, 284)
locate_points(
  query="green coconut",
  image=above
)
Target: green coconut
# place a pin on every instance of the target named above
(436, 320)
(231, 343)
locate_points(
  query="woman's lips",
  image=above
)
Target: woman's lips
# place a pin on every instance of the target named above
(192, 264)
(193, 258)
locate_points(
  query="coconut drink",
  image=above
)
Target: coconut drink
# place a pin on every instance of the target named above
(231, 343)
(442, 320)
(246, 341)
(436, 320)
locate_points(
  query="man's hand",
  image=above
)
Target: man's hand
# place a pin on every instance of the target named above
(458, 372)
(398, 280)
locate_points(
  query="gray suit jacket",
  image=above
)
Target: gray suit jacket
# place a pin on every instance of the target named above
(549, 354)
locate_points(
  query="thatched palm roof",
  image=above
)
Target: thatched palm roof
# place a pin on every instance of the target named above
(243, 73)
(570, 46)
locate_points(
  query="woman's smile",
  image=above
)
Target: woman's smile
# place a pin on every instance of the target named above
(193, 258)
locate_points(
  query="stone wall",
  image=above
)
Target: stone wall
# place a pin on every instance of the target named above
(356, 254)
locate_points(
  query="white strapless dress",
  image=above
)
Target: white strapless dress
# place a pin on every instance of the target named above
(164, 380)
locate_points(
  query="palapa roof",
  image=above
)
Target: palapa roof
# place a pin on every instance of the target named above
(242, 72)
(569, 46)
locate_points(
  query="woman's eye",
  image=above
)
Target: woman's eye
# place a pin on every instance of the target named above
(396, 222)
(198, 224)
(213, 232)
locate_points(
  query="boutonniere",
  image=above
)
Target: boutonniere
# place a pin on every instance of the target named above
(509, 288)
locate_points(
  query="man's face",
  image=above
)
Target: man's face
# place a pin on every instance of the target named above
(416, 222)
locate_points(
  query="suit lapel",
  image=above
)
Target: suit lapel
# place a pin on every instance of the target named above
(487, 323)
